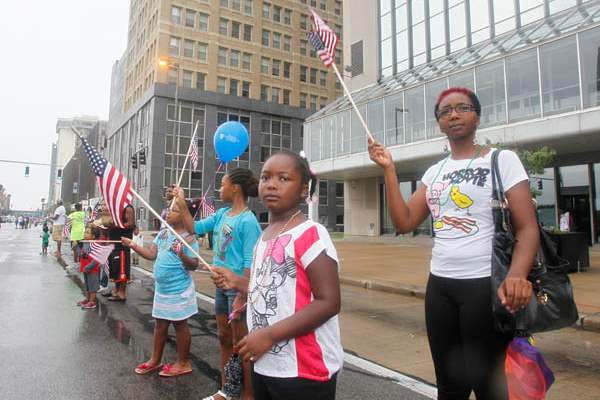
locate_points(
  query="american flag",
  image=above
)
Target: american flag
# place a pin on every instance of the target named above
(96, 210)
(206, 208)
(323, 40)
(67, 228)
(115, 188)
(100, 254)
(194, 154)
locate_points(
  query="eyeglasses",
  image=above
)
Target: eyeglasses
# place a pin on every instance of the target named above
(446, 112)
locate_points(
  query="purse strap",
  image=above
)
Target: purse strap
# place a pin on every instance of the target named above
(498, 201)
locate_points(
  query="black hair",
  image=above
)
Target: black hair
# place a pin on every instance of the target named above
(246, 180)
(78, 206)
(467, 92)
(45, 229)
(302, 165)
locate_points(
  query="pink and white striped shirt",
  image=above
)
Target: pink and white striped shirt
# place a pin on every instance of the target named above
(279, 287)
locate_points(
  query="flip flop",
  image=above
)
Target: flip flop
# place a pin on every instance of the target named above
(144, 368)
(167, 371)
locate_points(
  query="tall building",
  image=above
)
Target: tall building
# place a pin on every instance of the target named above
(66, 144)
(534, 64)
(206, 62)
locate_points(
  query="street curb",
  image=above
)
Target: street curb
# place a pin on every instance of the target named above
(396, 288)
(590, 323)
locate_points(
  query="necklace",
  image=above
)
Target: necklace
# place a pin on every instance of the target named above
(476, 155)
(268, 253)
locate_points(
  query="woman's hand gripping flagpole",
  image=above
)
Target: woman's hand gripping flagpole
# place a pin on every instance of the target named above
(187, 156)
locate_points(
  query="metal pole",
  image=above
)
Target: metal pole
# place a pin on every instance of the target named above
(175, 143)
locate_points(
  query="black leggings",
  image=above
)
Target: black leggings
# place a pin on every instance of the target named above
(467, 352)
(269, 388)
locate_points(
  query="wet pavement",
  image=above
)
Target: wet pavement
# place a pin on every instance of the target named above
(54, 350)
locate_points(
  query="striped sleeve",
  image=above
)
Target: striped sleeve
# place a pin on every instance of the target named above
(311, 243)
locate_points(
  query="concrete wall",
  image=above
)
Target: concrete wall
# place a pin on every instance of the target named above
(367, 31)
(361, 207)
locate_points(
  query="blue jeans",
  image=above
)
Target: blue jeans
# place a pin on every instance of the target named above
(224, 301)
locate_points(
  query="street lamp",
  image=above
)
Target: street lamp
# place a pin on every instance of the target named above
(167, 64)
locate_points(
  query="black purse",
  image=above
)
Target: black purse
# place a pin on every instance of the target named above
(552, 305)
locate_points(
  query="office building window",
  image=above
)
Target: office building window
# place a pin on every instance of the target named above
(222, 56)
(265, 37)
(176, 15)
(490, 89)
(233, 87)
(276, 13)
(302, 100)
(264, 65)
(188, 48)
(313, 102)
(323, 4)
(247, 33)
(235, 29)
(287, 17)
(190, 18)
(172, 76)
(174, 44)
(303, 70)
(590, 69)
(303, 46)
(287, 43)
(523, 86)
(236, 5)
(303, 21)
(221, 84)
(323, 78)
(276, 67)
(202, 52)
(275, 95)
(276, 40)
(560, 81)
(248, 7)
(264, 92)
(245, 89)
(313, 76)
(266, 10)
(338, 7)
(200, 81)
(246, 61)
(203, 22)
(187, 78)
(323, 102)
(234, 59)
(286, 96)
(287, 69)
(223, 23)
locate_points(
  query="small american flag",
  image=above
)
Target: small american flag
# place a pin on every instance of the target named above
(67, 228)
(96, 210)
(100, 254)
(206, 208)
(114, 186)
(323, 40)
(194, 154)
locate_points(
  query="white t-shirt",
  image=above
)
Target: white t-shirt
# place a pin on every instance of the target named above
(278, 288)
(62, 215)
(459, 201)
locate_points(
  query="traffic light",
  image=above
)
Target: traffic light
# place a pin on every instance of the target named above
(27, 171)
(134, 161)
(540, 184)
(59, 173)
(143, 157)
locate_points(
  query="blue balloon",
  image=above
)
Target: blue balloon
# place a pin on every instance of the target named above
(231, 140)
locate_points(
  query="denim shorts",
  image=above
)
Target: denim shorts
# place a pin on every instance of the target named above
(224, 301)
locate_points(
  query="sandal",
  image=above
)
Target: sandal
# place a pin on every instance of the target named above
(219, 393)
(145, 368)
(167, 371)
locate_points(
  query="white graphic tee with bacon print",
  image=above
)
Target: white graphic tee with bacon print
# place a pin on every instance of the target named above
(458, 196)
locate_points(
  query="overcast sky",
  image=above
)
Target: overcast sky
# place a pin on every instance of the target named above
(55, 61)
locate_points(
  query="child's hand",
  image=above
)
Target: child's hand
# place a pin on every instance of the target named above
(126, 241)
(223, 278)
(254, 345)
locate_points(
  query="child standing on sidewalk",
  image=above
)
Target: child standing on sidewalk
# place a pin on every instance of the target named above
(90, 268)
(174, 295)
(45, 239)
(293, 292)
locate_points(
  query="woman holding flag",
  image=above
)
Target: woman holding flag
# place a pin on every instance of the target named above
(119, 262)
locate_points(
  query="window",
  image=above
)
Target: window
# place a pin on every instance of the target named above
(187, 78)
(190, 18)
(247, 61)
(323, 103)
(303, 46)
(276, 40)
(590, 69)
(236, 5)
(248, 6)
(303, 70)
(313, 3)
(313, 102)
(323, 4)
(176, 15)
(233, 87)
(286, 69)
(188, 48)
(286, 97)
(174, 44)
(245, 89)
(323, 78)
(202, 52)
(276, 67)
(266, 10)
(287, 16)
(276, 13)
(203, 22)
(560, 81)
(303, 21)
(235, 29)
(522, 86)
(322, 193)
(172, 78)
(313, 76)
(338, 56)
(265, 37)
(490, 89)
(223, 22)
(338, 7)
(287, 43)
(222, 56)
(275, 95)
(264, 65)
(264, 92)
(247, 33)
(200, 81)
(221, 83)
(302, 100)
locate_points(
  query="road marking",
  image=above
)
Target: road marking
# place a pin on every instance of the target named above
(369, 366)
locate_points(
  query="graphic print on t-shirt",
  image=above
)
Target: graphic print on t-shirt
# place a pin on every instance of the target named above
(271, 274)
(226, 239)
(450, 203)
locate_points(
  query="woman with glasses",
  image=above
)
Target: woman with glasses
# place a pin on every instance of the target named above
(467, 352)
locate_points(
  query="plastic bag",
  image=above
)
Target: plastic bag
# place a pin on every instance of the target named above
(527, 374)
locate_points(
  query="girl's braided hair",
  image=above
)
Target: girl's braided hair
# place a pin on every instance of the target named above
(246, 180)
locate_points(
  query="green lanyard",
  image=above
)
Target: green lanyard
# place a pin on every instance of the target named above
(476, 155)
